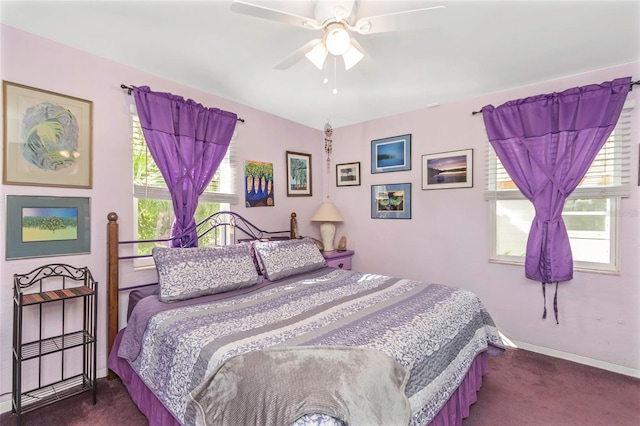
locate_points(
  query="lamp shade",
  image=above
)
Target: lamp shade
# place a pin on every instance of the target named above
(327, 212)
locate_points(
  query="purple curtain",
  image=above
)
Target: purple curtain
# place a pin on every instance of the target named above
(187, 141)
(546, 143)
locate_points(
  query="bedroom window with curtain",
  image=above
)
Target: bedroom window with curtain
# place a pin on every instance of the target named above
(590, 213)
(152, 200)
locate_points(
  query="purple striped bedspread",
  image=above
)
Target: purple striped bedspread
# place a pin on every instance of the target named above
(433, 330)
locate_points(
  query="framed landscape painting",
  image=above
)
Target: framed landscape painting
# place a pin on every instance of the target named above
(298, 174)
(348, 174)
(47, 138)
(453, 169)
(391, 201)
(40, 226)
(391, 154)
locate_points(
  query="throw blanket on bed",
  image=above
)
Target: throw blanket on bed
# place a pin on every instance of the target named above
(365, 387)
(432, 330)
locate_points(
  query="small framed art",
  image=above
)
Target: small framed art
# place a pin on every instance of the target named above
(41, 226)
(298, 174)
(391, 201)
(258, 184)
(47, 138)
(453, 169)
(391, 154)
(348, 174)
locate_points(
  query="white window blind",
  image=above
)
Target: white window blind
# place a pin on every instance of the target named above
(221, 189)
(608, 175)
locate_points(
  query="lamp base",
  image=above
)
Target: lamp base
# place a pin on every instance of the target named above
(327, 233)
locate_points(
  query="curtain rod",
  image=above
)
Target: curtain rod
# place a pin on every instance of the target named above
(130, 89)
(633, 83)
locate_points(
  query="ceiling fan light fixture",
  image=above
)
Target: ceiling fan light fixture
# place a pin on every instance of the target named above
(352, 56)
(338, 39)
(317, 55)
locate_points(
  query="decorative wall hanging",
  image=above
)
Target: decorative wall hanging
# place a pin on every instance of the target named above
(258, 184)
(391, 154)
(391, 201)
(453, 169)
(40, 226)
(47, 138)
(298, 174)
(328, 143)
(348, 174)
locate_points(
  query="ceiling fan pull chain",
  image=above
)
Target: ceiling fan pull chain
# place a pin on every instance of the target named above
(335, 75)
(326, 78)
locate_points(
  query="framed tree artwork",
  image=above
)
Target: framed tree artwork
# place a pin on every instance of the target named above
(298, 174)
(258, 188)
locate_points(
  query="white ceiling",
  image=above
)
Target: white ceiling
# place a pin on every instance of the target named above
(474, 48)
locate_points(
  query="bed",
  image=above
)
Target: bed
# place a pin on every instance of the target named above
(263, 318)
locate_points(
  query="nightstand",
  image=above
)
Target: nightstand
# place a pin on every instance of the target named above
(338, 259)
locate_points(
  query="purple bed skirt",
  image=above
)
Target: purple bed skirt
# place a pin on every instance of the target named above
(456, 408)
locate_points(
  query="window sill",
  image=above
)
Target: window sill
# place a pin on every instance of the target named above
(575, 268)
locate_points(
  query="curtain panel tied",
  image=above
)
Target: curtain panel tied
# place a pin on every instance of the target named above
(547, 143)
(187, 142)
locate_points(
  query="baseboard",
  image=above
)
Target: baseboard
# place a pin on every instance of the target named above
(6, 405)
(627, 371)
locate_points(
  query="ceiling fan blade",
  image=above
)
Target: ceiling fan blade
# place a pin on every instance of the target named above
(398, 21)
(296, 56)
(263, 12)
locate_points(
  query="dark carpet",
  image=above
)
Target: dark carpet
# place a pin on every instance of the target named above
(523, 388)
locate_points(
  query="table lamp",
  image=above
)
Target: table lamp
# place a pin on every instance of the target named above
(327, 213)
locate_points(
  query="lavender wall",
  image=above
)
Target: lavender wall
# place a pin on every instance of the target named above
(446, 241)
(36, 62)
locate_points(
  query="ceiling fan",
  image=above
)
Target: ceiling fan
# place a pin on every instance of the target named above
(337, 19)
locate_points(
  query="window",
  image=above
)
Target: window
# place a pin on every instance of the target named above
(589, 212)
(152, 200)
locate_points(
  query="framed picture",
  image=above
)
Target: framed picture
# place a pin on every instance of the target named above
(391, 154)
(348, 174)
(47, 138)
(41, 226)
(391, 201)
(298, 174)
(453, 169)
(258, 184)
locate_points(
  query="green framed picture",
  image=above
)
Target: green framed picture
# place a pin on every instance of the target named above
(41, 226)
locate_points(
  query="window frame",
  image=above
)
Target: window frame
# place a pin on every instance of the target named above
(225, 196)
(614, 194)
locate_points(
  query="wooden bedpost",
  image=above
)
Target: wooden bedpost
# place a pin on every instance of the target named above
(112, 283)
(293, 226)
